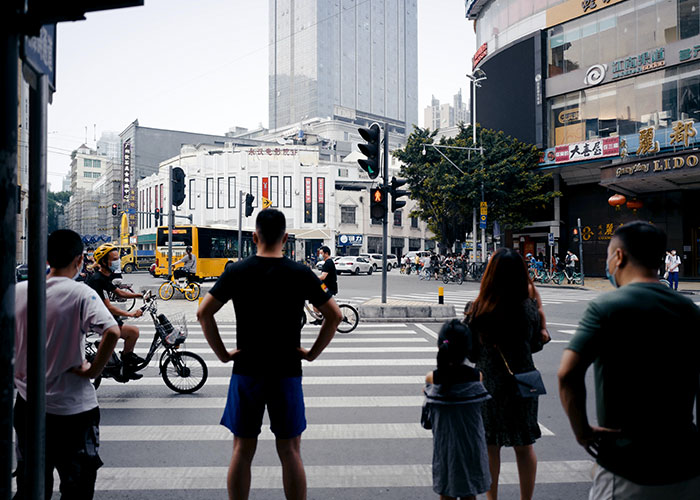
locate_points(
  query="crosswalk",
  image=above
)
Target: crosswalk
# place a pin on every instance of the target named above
(458, 296)
(363, 399)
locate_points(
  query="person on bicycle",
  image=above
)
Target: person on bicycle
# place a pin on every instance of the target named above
(189, 267)
(107, 264)
(329, 276)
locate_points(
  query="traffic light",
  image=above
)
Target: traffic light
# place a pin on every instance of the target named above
(114, 209)
(157, 216)
(575, 236)
(249, 198)
(178, 186)
(370, 150)
(397, 193)
(377, 207)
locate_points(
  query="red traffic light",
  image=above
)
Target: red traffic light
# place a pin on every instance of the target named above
(378, 195)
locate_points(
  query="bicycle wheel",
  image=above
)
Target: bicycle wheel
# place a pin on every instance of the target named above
(166, 291)
(184, 372)
(460, 279)
(192, 292)
(129, 302)
(349, 320)
(556, 278)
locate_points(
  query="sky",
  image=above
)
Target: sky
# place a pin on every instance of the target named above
(202, 66)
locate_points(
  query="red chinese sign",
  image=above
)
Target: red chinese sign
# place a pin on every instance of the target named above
(480, 54)
(589, 150)
(266, 187)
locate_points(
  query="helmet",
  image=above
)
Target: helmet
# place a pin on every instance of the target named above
(103, 250)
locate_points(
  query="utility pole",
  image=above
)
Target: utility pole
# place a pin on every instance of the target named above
(171, 221)
(385, 222)
(483, 231)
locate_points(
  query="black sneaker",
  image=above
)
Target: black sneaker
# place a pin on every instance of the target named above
(132, 358)
(316, 322)
(134, 376)
(122, 379)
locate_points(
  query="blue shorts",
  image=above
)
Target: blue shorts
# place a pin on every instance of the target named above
(249, 395)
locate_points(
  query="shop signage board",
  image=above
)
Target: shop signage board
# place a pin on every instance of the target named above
(648, 60)
(39, 52)
(480, 54)
(588, 150)
(350, 240)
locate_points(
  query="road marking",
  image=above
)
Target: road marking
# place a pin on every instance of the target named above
(318, 476)
(427, 330)
(309, 402)
(344, 380)
(332, 350)
(560, 324)
(569, 332)
(558, 341)
(326, 363)
(338, 339)
(315, 432)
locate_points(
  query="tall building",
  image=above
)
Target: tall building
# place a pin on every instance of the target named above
(86, 167)
(110, 145)
(443, 116)
(345, 59)
(609, 91)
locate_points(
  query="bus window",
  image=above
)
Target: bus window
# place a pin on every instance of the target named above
(182, 236)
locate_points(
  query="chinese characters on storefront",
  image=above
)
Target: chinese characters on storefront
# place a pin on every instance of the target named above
(272, 152)
(682, 131)
(646, 61)
(308, 203)
(588, 150)
(660, 165)
(647, 142)
(128, 188)
(588, 5)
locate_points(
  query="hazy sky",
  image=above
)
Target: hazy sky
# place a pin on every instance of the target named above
(202, 66)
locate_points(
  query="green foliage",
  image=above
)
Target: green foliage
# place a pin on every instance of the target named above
(57, 204)
(514, 190)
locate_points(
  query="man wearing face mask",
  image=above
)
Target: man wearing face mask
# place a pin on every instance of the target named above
(107, 266)
(642, 339)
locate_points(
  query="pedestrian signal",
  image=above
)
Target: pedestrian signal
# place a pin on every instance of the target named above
(371, 150)
(575, 236)
(378, 206)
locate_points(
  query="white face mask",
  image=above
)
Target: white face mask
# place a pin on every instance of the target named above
(77, 273)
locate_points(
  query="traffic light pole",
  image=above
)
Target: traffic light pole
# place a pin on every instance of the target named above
(171, 220)
(240, 224)
(385, 222)
(580, 250)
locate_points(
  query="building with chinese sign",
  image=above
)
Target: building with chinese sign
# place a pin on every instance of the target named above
(611, 93)
(325, 202)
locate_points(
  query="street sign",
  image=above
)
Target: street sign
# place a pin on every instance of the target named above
(482, 221)
(551, 239)
(266, 203)
(39, 52)
(484, 208)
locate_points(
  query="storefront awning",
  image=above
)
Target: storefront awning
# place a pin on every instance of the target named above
(311, 234)
(670, 173)
(146, 238)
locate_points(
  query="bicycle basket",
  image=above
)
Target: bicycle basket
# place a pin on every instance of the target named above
(179, 332)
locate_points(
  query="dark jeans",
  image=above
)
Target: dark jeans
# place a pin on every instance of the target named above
(179, 273)
(72, 442)
(673, 280)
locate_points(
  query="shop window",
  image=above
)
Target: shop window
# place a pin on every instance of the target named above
(414, 224)
(689, 18)
(666, 21)
(347, 215)
(192, 194)
(220, 192)
(210, 192)
(689, 98)
(413, 244)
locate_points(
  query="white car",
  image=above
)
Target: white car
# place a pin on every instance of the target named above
(319, 264)
(374, 258)
(353, 265)
(392, 261)
(412, 255)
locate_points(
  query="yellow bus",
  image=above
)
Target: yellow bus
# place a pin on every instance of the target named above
(213, 248)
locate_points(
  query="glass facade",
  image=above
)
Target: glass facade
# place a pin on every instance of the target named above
(359, 55)
(619, 31)
(624, 107)
(499, 15)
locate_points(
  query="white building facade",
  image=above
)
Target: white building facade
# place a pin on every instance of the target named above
(325, 203)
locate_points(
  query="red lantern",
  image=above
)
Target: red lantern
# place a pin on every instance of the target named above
(616, 201)
(635, 205)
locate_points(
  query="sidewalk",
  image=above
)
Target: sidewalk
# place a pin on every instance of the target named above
(603, 285)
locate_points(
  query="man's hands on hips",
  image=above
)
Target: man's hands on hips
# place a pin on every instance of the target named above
(592, 436)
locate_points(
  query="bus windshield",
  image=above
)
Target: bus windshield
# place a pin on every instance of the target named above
(181, 236)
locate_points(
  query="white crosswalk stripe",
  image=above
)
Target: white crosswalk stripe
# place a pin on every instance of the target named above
(378, 368)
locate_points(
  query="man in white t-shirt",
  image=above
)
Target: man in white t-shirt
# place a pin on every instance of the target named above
(673, 262)
(72, 414)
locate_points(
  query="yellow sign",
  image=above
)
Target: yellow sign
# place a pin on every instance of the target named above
(682, 130)
(484, 208)
(266, 203)
(124, 240)
(647, 142)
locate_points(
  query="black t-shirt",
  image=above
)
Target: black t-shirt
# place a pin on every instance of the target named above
(101, 284)
(268, 297)
(331, 280)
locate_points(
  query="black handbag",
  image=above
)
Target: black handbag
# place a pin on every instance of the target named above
(528, 384)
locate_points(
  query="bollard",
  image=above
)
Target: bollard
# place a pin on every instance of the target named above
(441, 295)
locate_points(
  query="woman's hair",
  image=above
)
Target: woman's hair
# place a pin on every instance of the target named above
(506, 282)
(455, 343)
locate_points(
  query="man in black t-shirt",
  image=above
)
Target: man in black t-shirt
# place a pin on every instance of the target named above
(268, 292)
(329, 275)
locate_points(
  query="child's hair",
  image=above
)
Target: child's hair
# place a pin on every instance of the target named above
(455, 343)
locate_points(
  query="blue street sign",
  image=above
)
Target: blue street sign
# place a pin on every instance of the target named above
(39, 52)
(482, 222)
(551, 239)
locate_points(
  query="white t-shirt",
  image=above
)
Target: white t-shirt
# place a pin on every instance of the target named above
(673, 263)
(72, 310)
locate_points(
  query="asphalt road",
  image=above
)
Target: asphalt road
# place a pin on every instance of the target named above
(363, 400)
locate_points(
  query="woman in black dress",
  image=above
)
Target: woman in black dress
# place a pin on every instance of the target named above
(507, 316)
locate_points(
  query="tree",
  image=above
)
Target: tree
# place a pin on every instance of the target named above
(446, 197)
(57, 204)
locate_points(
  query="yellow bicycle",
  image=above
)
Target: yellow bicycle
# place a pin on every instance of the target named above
(190, 289)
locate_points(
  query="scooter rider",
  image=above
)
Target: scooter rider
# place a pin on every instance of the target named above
(107, 262)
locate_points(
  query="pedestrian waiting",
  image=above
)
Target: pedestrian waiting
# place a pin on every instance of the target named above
(509, 320)
(643, 342)
(453, 394)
